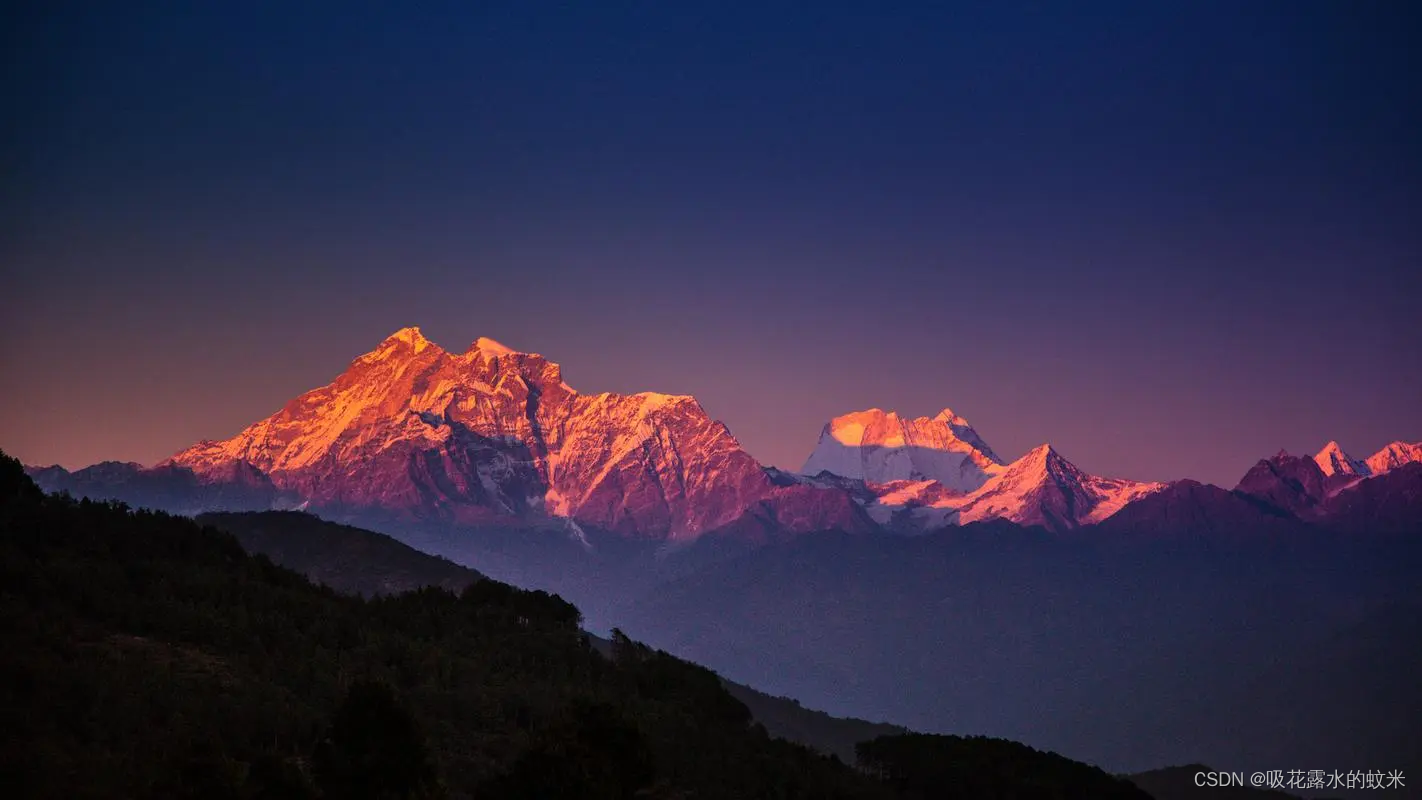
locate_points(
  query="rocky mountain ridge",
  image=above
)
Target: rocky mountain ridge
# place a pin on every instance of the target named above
(417, 434)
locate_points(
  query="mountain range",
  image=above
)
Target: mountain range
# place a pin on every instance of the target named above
(412, 434)
(907, 572)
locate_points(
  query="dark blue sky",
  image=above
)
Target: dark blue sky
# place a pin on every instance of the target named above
(1169, 238)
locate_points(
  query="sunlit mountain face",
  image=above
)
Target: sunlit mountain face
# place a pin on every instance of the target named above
(496, 436)
(492, 435)
(881, 447)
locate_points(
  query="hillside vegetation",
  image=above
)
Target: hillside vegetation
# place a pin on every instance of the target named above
(149, 656)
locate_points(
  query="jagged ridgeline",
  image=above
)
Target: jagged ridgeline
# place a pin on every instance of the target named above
(149, 656)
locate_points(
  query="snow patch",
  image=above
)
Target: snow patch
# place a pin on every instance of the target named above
(655, 401)
(489, 348)
(881, 447)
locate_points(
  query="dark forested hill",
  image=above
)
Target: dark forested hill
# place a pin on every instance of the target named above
(926, 767)
(786, 718)
(359, 561)
(347, 559)
(148, 656)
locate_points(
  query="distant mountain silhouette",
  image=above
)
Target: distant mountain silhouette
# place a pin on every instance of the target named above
(1294, 484)
(345, 558)
(363, 562)
(1189, 509)
(1387, 504)
(1121, 645)
(237, 487)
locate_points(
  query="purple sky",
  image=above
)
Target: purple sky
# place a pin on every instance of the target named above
(1170, 241)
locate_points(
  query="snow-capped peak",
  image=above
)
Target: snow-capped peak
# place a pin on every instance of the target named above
(881, 447)
(409, 335)
(1334, 460)
(1043, 488)
(851, 429)
(495, 434)
(1394, 455)
(405, 341)
(947, 415)
(1042, 455)
(656, 401)
(490, 348)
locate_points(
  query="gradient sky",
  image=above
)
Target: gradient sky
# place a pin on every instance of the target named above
(1169, 238)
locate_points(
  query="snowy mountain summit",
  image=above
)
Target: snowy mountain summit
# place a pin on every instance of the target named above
(881, 447)
(925, 473)
(1393, 456)
(1334, 460)
(495, 435)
